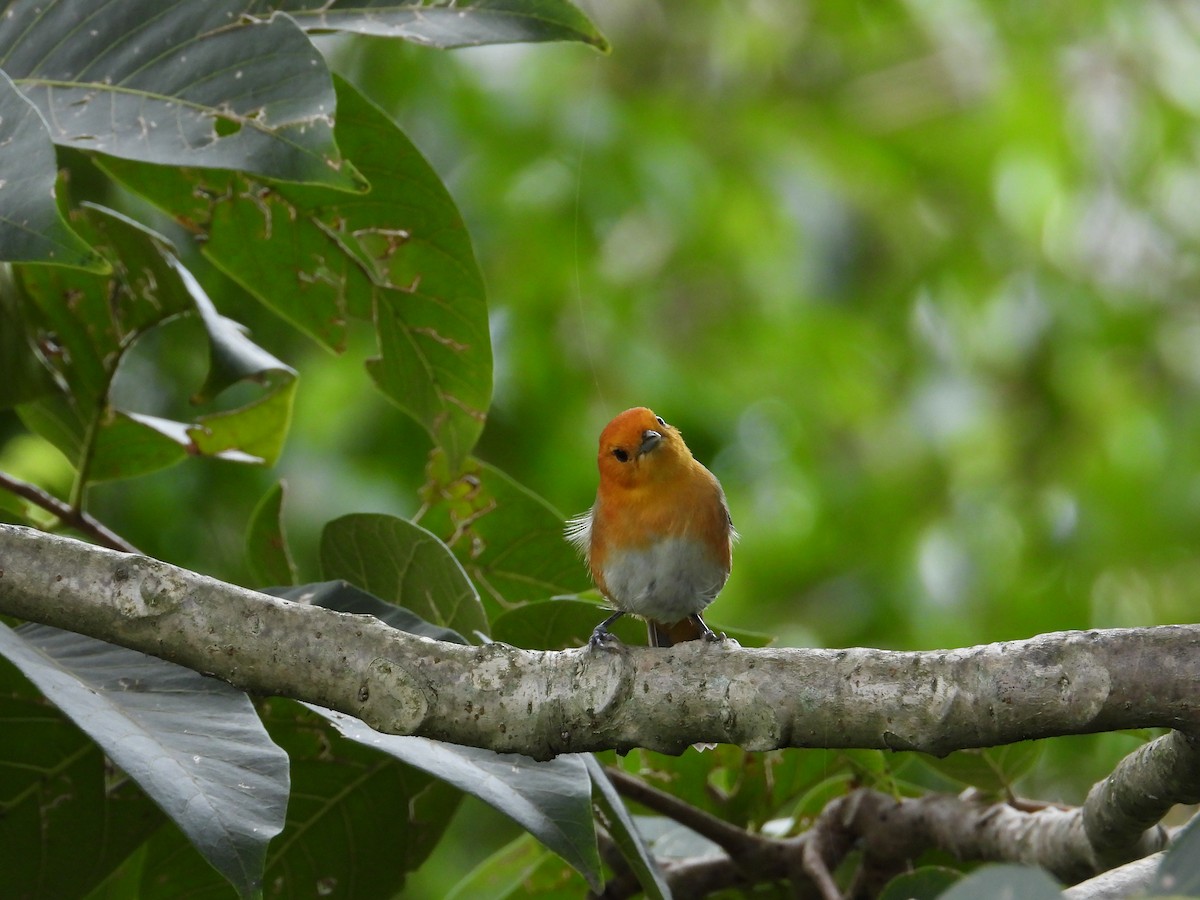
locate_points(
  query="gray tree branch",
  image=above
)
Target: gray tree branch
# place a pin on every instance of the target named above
(545, 703)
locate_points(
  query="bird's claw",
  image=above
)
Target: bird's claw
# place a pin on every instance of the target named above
(604, 640)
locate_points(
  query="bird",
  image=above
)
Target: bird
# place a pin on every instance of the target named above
(659, 538)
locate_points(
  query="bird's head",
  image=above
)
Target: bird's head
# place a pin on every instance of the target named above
(638, 447)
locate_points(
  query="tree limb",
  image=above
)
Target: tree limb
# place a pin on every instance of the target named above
(545, 703)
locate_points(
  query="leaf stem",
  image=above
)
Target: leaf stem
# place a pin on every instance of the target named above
(67, 513)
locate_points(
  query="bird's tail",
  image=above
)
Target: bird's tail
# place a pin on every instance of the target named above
(668, 635)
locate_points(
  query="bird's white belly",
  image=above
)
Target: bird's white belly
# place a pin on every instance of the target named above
(667, 581)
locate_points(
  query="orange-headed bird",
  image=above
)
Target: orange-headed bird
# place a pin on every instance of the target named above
(659, 539)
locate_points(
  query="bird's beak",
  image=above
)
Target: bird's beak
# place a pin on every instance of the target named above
(650, 440)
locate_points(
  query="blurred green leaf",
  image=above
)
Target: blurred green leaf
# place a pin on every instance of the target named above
(994, 770)
(1004, 882)
(925, 883)
(559, 623)
(404, 564)
(267, 548)
(562, 622)
(171, 95)
(31, 228)
(468, 23)
(521, 868)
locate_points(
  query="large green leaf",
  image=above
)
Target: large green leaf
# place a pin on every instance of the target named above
(447, 23)
(399, 257)
(31, 228)
(404, 564)
(194, 744)
(90, 322)
(509, 539)
(57, 798)
(358, 821)
(180, 83)
(551, 800)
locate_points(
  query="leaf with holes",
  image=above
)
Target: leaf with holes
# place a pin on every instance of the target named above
(399, 257)
(178, 83)
(88, 322)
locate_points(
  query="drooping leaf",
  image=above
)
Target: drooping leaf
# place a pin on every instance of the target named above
(89, 322)
(624, 832)
(358, 821)
(399, 257)
(509, 540)
(194, 744)
(551, 800)
(448, 24)
(267, 549)
(31, 228)
(57, 798)
(404, 564)
(179, 83)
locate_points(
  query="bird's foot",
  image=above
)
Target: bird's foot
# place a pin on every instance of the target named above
(602, 637)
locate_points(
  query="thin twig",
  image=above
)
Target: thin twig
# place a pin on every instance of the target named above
(67, 514)
(733, 840)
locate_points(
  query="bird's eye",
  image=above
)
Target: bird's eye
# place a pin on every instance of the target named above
(660, 421)
(621, 455)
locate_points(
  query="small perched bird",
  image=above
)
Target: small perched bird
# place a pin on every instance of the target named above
(659, 539)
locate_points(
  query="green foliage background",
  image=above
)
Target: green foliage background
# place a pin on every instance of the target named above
(916, 280)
